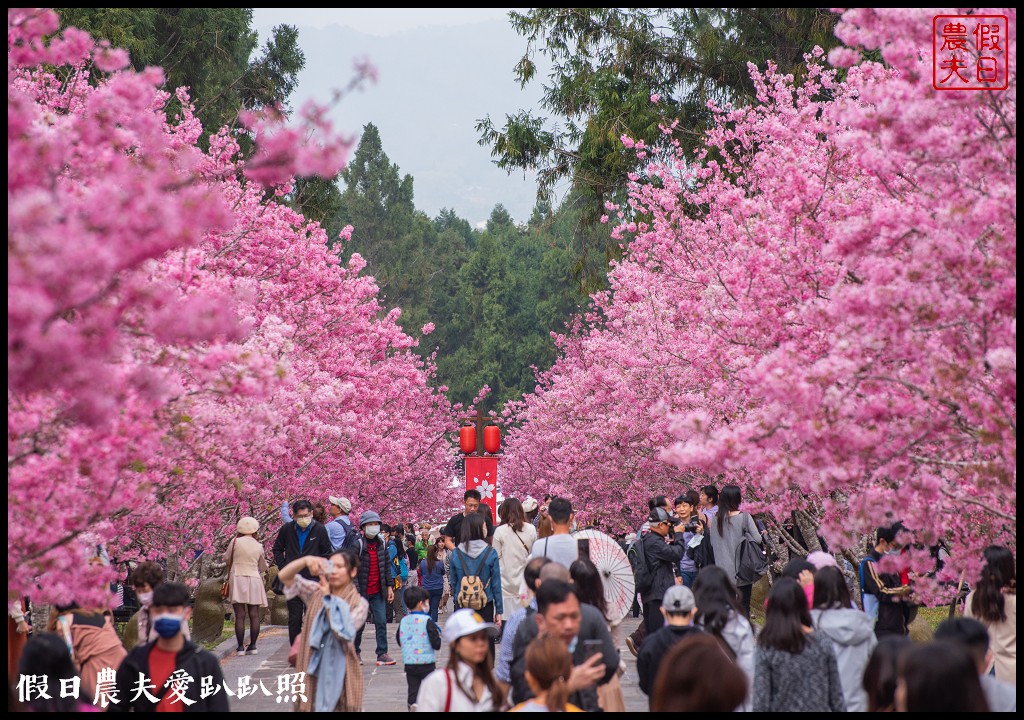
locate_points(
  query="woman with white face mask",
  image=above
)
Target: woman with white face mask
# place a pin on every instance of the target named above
(145, 576)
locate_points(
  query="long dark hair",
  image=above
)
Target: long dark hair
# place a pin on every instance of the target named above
(830, 591)
(717, 600)
(728, 500)
(880, 673)
(483, 670)
(431, 557)
(999, 575)
(941, 677)
(512, 514)
(474, 527)
(785, 618)
(589, 585)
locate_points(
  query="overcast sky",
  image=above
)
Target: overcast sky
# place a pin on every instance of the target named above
(382, 21)
(439, 71)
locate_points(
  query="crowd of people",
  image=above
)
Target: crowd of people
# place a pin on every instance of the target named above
(530, 627)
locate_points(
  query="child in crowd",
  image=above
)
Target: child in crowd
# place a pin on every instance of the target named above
(420, 639)
(548, 666)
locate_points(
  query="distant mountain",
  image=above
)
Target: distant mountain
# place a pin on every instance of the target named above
(434, 83)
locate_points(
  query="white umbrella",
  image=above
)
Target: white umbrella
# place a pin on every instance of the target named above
(616, 572)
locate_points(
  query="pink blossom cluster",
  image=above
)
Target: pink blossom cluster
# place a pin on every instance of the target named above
(833, 328)
(181, 350)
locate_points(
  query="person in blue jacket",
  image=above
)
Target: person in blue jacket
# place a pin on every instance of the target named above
(474, 557)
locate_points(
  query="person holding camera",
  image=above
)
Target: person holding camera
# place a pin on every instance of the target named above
(687, 506)
(660, 552)
(334, 612)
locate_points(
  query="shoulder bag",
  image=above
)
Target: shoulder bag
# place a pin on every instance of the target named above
(751, 563)
(225, 588)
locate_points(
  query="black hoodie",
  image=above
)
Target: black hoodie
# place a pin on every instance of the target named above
(198, 663)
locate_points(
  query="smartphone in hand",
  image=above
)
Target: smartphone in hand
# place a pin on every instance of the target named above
(592, 647)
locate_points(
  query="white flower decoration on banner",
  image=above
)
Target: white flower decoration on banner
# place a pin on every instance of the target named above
(486, 488)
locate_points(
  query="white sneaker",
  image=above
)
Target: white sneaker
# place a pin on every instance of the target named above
(254, 651)
(412, 708)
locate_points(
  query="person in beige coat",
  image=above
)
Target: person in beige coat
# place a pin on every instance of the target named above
(248, 562)
(513, 540)
(993, 602)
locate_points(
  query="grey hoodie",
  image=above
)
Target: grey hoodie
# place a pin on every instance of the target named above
(739, 635)
(853, 640)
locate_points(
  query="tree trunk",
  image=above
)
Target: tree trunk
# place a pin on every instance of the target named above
(808, 525)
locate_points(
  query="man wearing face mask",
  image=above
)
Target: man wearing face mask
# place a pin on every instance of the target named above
(890, 596)
(376, 583)
(661, 550)
(170, 653)
(298, 538)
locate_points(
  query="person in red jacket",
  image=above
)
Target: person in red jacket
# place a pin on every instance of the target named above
(170, 673)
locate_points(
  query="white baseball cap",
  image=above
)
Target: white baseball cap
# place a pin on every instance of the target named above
(467, 622)
(342, 503)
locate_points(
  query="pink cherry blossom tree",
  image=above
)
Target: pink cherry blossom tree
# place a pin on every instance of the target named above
(182, 348)
(823, 309)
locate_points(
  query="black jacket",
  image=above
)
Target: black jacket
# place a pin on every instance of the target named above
(893, 605)
(286, 546)
(663, 562)
(654, 649)
(387, 580)
(198, 663)
(592, 626)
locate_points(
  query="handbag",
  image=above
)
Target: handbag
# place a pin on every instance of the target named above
(225, 588)
(751, 563)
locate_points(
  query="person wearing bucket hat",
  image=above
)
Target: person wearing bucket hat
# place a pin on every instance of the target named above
(376, 584)
(339, 527)
(247, 562)
(468, 683)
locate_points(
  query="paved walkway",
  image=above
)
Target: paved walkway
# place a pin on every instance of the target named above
(386, 688)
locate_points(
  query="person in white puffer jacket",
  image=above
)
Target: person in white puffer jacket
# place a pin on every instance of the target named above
(850, 630)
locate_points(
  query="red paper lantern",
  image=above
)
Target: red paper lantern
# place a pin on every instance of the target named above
(467, 439)
(492, 439)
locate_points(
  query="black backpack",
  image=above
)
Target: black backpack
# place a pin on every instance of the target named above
(641, 570)
(751, 561)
